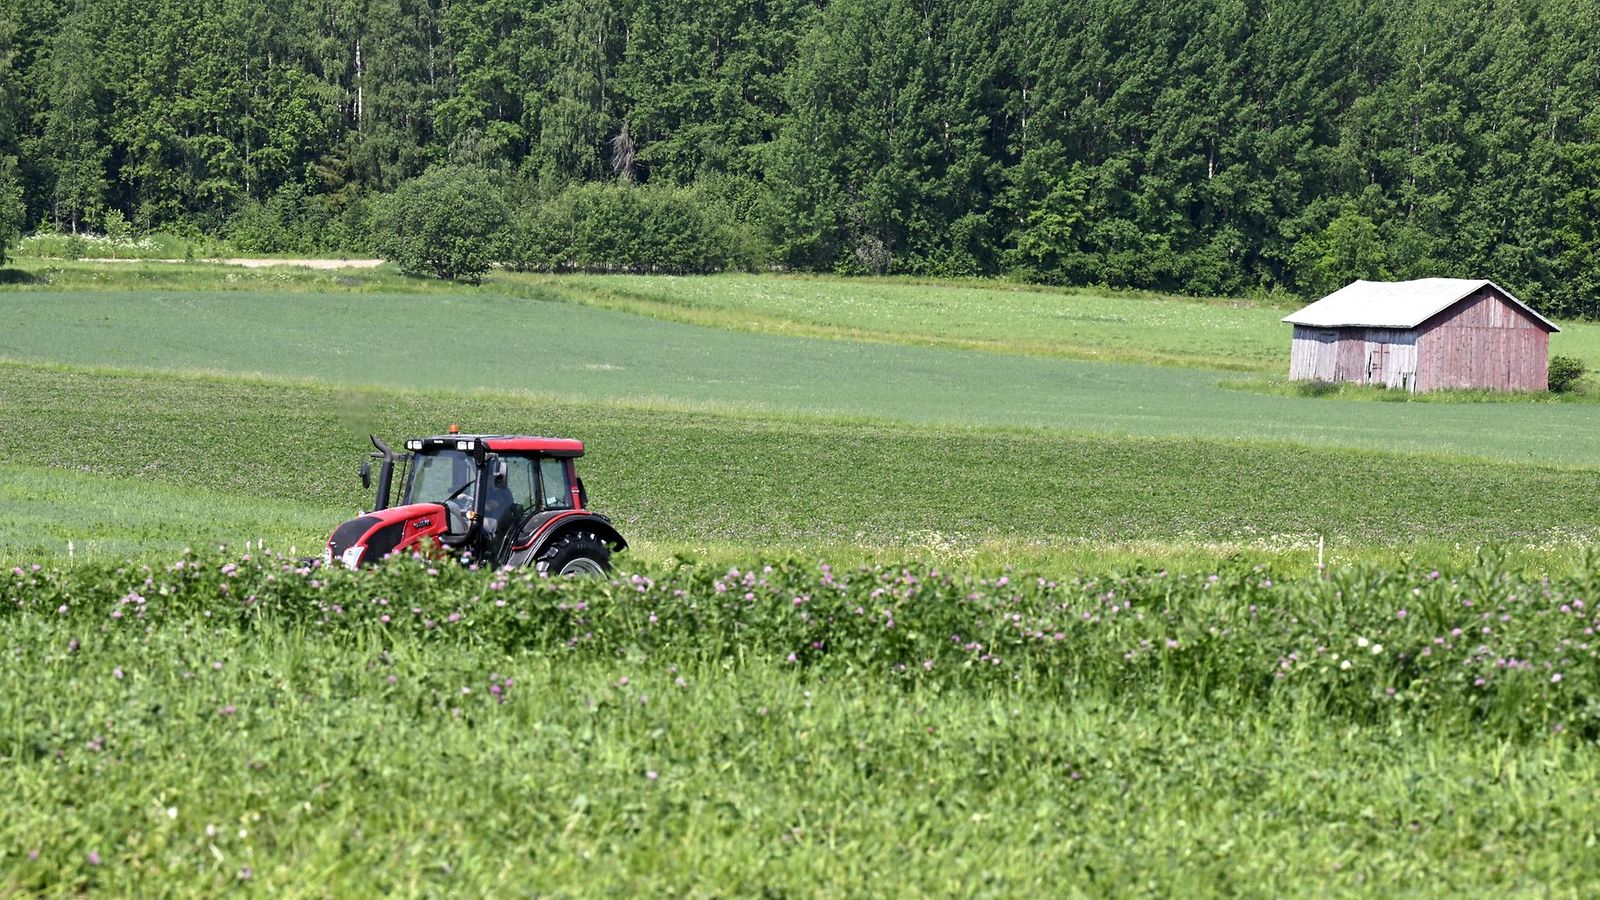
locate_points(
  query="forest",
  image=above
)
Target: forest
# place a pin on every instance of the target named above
(1208, 147)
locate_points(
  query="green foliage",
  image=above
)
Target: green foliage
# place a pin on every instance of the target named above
(1316, 388)
(11, 209)
(1349, 248)
(1565, 373)
(627, 228)
(1192, 147)
(447, 223)
(192, 696)
(296, 222)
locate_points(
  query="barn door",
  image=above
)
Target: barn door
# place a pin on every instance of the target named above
(1377, 364)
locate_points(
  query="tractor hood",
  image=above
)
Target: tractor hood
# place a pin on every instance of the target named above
(369, 538)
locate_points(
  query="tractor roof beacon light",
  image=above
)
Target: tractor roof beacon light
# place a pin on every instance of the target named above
(454, 428)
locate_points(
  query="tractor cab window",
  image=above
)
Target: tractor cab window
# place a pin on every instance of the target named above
(437, 477)
(521, 481)
(557, 488)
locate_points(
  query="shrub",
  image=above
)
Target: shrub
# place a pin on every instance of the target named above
(11, 209)
(1317, 388)
(1565, 372)
(629, 228)
(447, 223)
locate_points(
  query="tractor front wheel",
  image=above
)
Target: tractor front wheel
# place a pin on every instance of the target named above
(575, 553)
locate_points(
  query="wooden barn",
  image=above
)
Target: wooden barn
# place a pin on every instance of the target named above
(1423, 335)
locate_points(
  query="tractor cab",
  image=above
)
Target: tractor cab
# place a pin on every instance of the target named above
(497, 500)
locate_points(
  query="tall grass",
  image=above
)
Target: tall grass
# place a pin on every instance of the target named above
(218, 721)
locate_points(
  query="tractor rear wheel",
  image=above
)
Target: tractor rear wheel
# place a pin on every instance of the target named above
(575, 553)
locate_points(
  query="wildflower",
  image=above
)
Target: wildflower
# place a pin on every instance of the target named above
(117, 674)
(1377, 649)
(1345, 664)
(94, 857)
(245, 874)
(623, 681)
(1402, 614)
(228, 710)
(1556, 678)
(1362, 642)
(216, 666)
(172, 812)
(651, 774)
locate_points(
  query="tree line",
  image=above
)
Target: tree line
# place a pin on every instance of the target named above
(1200, 146)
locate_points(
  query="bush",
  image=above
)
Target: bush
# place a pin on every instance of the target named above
(11, 210)
(448, 223)
(625, 228)
(1565, 372)
(1317, 388)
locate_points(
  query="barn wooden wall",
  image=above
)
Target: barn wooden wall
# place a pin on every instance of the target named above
(1363, 355)
(1485, 341)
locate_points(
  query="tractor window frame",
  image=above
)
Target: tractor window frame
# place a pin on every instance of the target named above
(423, 463)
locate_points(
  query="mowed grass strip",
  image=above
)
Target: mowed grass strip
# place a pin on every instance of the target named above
(504, 344)
(994, 316)
(1238, 334)
(699, 479)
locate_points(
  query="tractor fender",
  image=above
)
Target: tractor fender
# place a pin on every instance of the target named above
(538, 533)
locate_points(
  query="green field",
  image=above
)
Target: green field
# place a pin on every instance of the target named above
(716, 482)
(507, 344)
(217, 719)
(1229, 334)
(198, 722)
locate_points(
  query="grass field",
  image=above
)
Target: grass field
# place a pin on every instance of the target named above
(1088, 651)
(1227, 334)
(505, 344)
(708, 482)
(219, 720)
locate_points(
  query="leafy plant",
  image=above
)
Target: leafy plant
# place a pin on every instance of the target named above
(1565, 372)
(447, 223)
(11, 209)
(1316, 387)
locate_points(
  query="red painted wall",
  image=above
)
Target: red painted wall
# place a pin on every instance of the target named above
(1484, 341)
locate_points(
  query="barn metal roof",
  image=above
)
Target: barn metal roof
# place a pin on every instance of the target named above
(1396, 304)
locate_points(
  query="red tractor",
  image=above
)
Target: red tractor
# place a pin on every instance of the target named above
(497, 500)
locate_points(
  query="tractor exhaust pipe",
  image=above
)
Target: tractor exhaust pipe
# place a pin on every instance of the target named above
(385, 472)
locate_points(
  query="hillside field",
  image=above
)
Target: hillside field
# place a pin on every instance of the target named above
(912, 608)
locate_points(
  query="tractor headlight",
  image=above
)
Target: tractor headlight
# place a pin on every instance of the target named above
(351, 558)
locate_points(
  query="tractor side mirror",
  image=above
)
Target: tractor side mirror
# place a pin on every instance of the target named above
(499, 473)
(366, 475)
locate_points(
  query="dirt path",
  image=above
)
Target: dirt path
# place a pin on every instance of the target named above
(259, 263)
